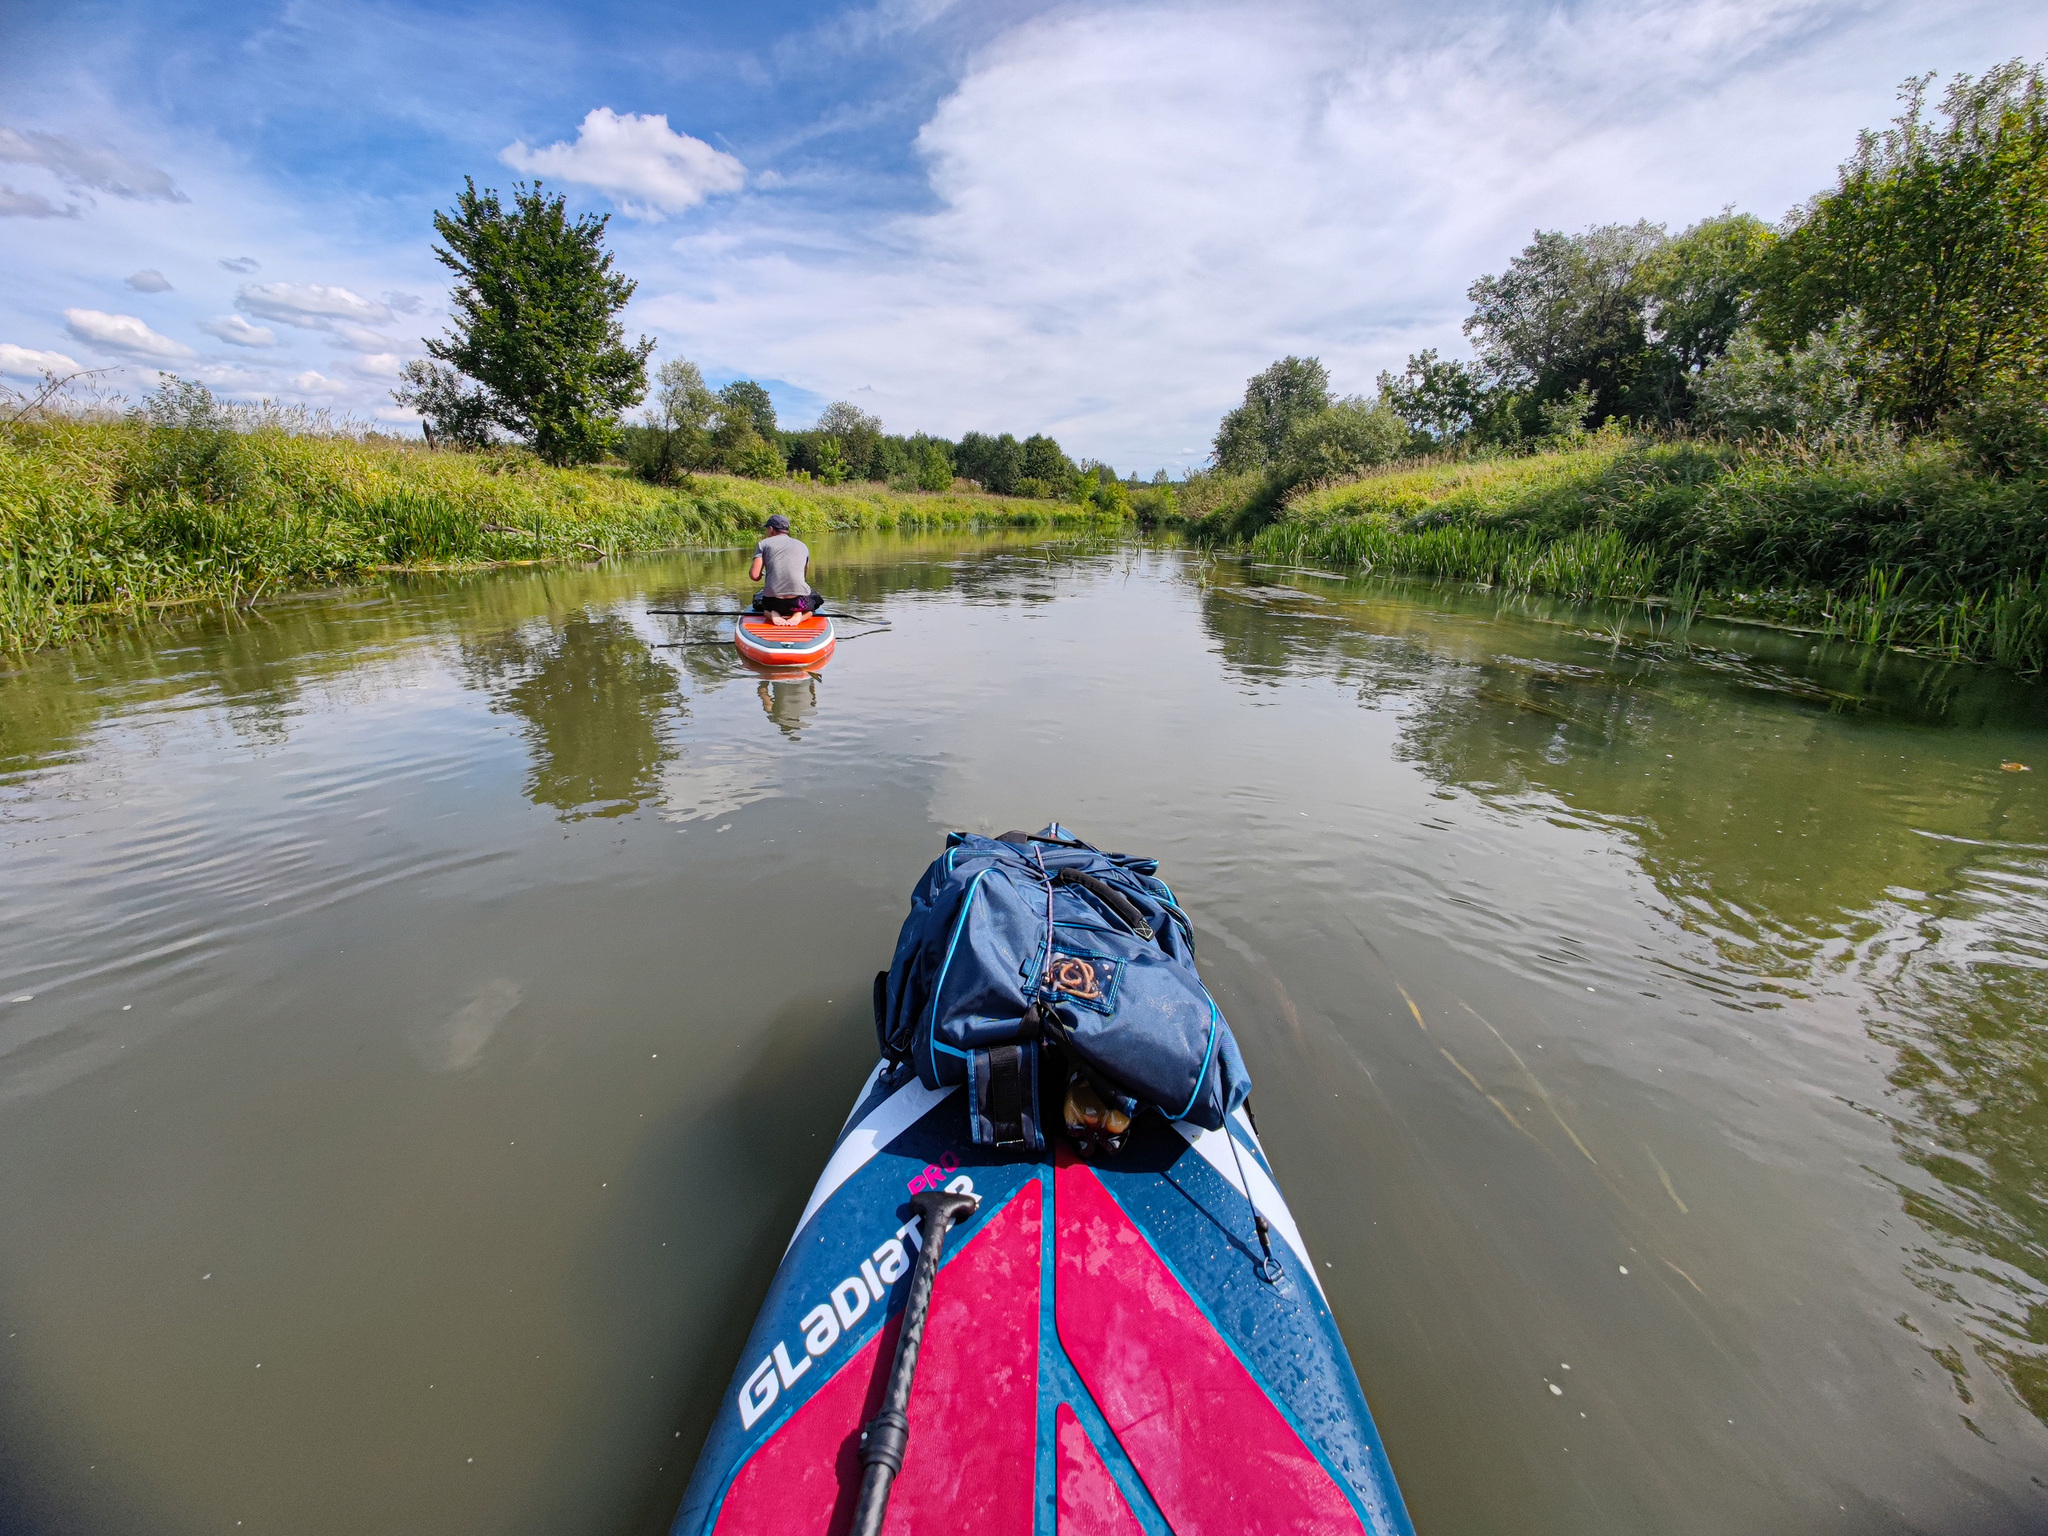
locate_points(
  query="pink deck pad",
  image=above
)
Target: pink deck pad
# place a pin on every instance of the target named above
(973, 1412)
(1216, 1455)
(1091, 1504)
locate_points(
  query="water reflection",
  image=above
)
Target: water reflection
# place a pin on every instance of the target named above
(788, 702)
(599, 709)
(1893, 857)
(302, 901)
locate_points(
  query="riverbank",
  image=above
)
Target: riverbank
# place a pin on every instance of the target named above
(1908, 546)
(115, 521)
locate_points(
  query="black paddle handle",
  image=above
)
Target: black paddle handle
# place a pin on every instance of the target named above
(887, 1434)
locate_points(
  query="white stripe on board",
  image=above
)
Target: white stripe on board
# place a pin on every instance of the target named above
(884, 1123)
(1215, 1147)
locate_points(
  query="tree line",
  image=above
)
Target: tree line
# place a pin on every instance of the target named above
(690, 427)
(1910, 298)
(536, 353)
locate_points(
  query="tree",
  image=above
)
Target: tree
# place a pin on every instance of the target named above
(859, 434)
(1438, 400)
(676, 436)
(934, 469)
(1254, 435)
(535, 301)
(995, 463)
(1349, 436)
(1568, 311)
(743, 398)
(1937, 234)
(745, 439)
(1696, 291)
(452, 412)
(1047, 462)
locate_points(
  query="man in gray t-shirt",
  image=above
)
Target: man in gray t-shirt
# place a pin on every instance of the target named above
(781, 562)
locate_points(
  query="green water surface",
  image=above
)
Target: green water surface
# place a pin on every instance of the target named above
(423, 1011)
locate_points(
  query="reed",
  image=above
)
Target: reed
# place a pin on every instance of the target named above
(113, 520)
(1867, 540)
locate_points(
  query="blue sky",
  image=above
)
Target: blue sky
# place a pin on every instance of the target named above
(1089, 219)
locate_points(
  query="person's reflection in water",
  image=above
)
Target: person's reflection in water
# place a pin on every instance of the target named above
(787, 702)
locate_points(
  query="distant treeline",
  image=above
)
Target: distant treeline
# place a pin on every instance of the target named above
(690, 427)
(1910, 300)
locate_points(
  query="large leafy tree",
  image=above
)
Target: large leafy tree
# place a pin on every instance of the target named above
(1695, 290)
(1937, 234)
(1253, 436)
(996, 463)
(743, 399)
(535, 305)
(1567, 313)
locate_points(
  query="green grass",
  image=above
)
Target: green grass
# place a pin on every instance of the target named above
(115, 521)
(1903, 546)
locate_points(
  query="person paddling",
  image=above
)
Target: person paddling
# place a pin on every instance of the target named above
(781, 562)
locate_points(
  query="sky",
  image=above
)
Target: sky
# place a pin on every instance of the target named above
(1095, 220)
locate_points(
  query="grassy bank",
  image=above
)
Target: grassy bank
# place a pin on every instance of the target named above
(1906, 546)
(105, 521)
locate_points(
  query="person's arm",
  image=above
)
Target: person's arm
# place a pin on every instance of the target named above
(754, 572)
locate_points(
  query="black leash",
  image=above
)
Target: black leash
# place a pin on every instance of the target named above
(1269, 1270)
(887, 1434)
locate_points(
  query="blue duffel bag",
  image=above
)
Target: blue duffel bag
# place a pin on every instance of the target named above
(1030, 943)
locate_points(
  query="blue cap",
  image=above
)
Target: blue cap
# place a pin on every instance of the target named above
(777, 523)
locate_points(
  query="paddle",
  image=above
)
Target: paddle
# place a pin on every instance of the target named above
(883, 1441)
(738, 613)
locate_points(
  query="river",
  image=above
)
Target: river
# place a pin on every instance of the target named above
(423, 1010)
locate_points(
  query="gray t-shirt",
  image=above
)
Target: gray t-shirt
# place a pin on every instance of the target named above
(783, 559)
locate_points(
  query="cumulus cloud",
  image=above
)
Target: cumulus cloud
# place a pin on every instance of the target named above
(311, 383)
(237, 332)
(243, 264)
(31, 205)
(636, 159)
(123, 334)
(149, 280)
(310, 306)
(1136, 208)
(78, 164)
(28, 363)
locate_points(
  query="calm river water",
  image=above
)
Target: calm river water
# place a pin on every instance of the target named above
(423, 1011)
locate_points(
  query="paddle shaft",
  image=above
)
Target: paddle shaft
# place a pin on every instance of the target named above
(735, 613)
(883, 1441)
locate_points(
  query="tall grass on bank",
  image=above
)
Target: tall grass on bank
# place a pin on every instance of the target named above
(103, 519)
(1871, 541)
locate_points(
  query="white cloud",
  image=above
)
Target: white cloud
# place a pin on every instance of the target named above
(244, 264)
(1138, 208)
(230, 376)
(28, 363)
(377, 365)
(149, 280)
(31, 205)
(360, 338)
(311, 306)
(124, 334)
(642, 163)
(311, 383)
(236, 331)
(83, 165)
